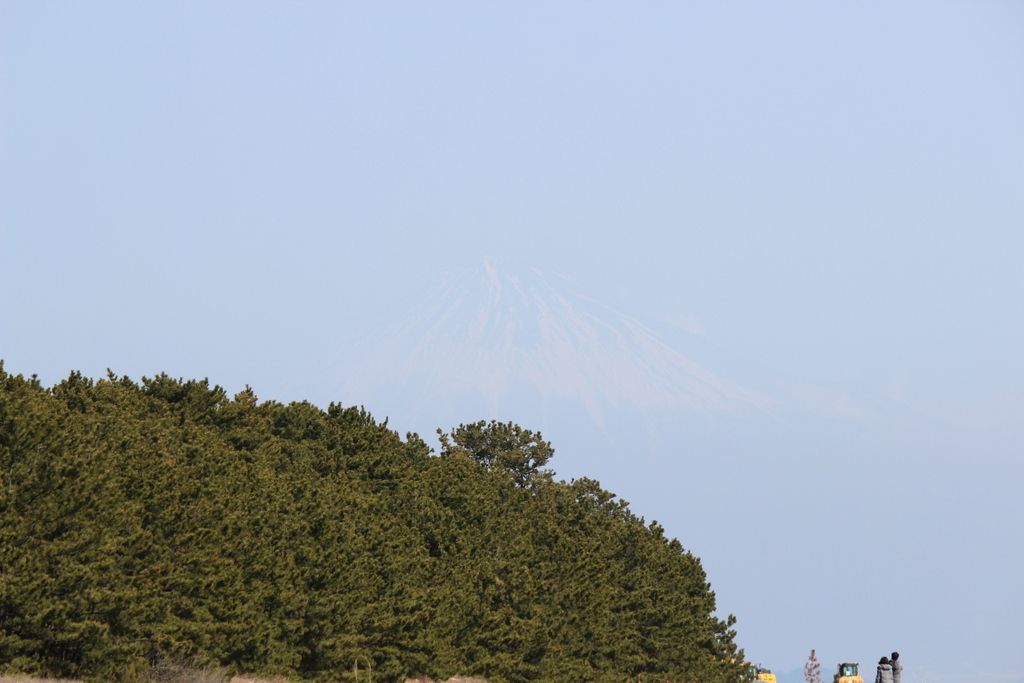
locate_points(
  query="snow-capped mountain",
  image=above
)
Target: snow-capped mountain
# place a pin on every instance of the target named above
(491, 334)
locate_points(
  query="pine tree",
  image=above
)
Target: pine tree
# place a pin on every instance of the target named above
(500, 446)
(165, 523)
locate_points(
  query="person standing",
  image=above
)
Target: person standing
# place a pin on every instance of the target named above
(897, 667)
(884, 673)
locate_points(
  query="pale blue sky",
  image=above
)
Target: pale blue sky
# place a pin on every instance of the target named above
(832, 193)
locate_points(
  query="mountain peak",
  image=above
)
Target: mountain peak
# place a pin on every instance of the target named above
(489, 332)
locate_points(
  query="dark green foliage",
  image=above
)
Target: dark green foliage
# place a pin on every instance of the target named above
(161, 522)
(504, 447)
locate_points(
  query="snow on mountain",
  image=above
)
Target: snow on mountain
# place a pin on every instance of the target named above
(490, 334)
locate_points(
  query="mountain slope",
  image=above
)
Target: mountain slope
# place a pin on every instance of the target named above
(490, 333)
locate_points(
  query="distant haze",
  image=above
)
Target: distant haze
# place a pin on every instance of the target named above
(494, 334)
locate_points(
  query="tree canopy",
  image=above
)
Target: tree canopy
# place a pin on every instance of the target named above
(163, 520)
(503, 447)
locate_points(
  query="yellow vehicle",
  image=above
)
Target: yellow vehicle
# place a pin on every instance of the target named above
(848, 673)
(762, 674)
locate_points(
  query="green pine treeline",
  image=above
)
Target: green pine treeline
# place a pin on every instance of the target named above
(164, 521)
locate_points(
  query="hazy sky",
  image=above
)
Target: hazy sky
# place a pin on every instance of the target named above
(827, 197)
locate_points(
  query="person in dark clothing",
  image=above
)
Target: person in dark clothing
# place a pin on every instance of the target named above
(884, 673)
(897, 667)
